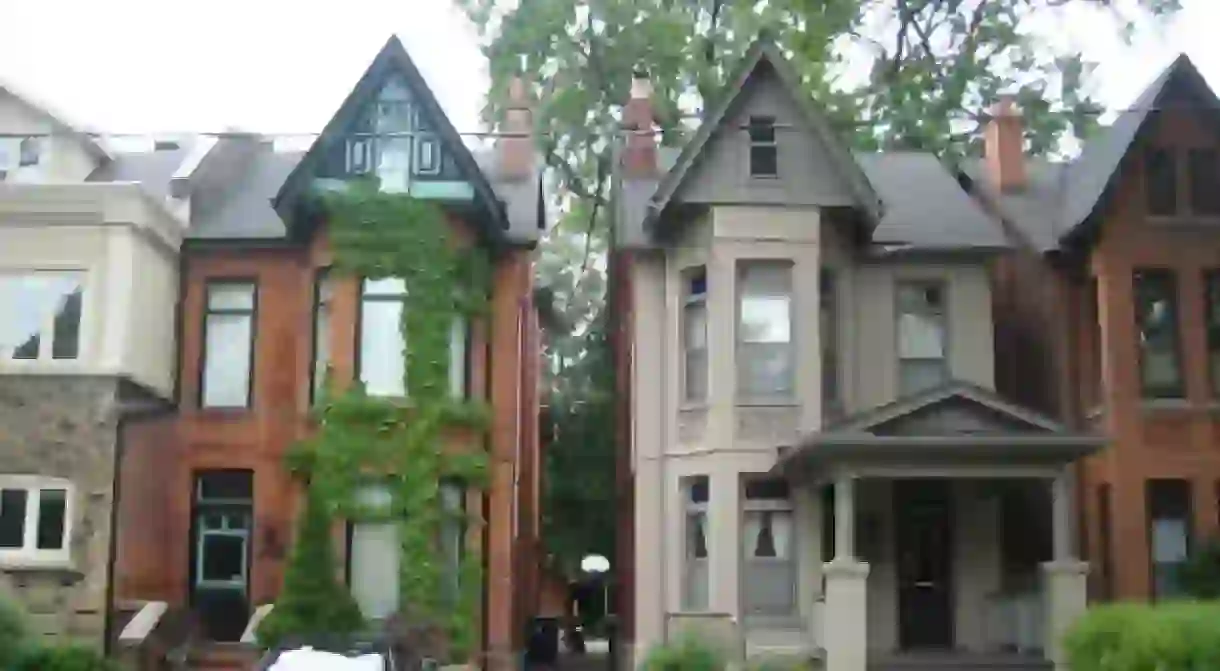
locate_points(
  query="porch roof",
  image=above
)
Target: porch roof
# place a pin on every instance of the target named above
(957, 423)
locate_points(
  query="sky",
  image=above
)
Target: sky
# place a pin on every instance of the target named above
(280, 66)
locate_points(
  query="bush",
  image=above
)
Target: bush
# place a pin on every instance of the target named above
(1183, 636)
(12, 632)
(688, 653)
(312, 604)
(67, 658)
(1200, 575)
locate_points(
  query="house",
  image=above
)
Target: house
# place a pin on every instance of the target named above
(814, 460)
(88, 288)
(1109, 315)
(206, 516)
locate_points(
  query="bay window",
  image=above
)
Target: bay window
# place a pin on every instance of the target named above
(40, 315)
(922, 336)
(765, 358)
(694, 334)
(34, 519)
(768, 548)
(228, 344)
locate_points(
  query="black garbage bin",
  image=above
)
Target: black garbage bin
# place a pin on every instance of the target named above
(543, 642)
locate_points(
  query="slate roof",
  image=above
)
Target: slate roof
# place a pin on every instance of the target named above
(152, 169)
(1035, 210)
(245, 210)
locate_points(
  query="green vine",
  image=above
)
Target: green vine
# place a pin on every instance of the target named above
(401, 443)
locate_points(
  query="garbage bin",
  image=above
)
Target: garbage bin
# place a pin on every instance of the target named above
(543, 641)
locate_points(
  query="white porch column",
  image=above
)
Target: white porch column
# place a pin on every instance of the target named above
(1064, 584)
(845, 626)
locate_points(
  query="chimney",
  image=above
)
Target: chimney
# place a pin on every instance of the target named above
(1004, 146)
(515, 150)
(640, 157)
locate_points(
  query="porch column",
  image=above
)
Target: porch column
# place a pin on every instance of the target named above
(1064, 585)
(844, 631)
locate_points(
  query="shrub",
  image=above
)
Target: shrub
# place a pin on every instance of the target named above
(687, 653)
(1200, 575)
(312, 604)
(66, 658)
(12, 631)
(1183, 636)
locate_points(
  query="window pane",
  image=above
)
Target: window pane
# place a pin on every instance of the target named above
(457, 357)
(385, 286)
(321, 330)
(226, 372)
(695, 376)
(770, 580)
(224, 558)
(764, 160)
(382, 348)
(762, 129)
(66, 340)
(916, 375)
(1212, 317)
(828, 328)
(12, 518)
(1160, 182)
(394, 164)
(29, 151)
(697, 488)
(694, 335)
(225, 486)
(33, 302)
(452, 528)
(236, 296)
(1156, 322)
(1204, 182)
(52, 508)
(764, 369)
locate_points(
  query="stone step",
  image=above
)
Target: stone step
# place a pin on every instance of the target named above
(960, 662)
(223, 657)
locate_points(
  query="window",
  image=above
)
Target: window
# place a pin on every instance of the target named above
(768, 547)
(382, 346)
(764, 330)
(1106, 573)
(1091, 376)
(1204, 182)
(41, 315)
(922, 336)
(1161, 182)
(694, 334)
(374, 552)
(828, 334)
(453, 534)
(228, 344)
(323, 293)
(1212, 316)
(764, 152)
(35, 514)
(427, 155)
(359, 155)
(695, 497)
(459, 336)
(224, 505)
(1169, 521)
(28, 151)
(1156, 321)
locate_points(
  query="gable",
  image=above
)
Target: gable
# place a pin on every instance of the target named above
(807, 174)
(956, 415)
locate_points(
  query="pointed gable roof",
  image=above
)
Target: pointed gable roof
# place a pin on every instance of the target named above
(57, 119)
(763, 53)
(1091, 175)
(393, 58)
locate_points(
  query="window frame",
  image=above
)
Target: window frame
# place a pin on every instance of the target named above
(770, 504)
(360, 325)
(942, 285)
(695, 509)
(1211, 326)
(46, 333)
(252, 313)
(690, 299)
(762, 123)
(1181, 161)
(828, 338)
(202, 506)
(324, 283)
(29, 554)
(29, 152)
(1156, 509)
(1177, 390)
(744, 397)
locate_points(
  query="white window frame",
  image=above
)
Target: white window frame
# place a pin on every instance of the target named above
(941, 285)
(692, 356)
(773, 505)
(744, 266)
(695, 512)
(28, 553)
(46, 332)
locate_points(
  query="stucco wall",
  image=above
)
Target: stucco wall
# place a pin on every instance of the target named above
(62, 159)
(64, 427)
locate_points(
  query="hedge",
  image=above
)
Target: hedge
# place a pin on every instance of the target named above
(1177, 636)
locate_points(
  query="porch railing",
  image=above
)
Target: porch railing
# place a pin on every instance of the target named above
(1014, 622)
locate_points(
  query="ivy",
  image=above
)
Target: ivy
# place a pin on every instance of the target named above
(406, 444)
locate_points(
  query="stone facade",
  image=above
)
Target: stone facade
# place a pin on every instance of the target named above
(65, 427)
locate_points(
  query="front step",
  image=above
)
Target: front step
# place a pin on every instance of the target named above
(223, 657)
(960, 661)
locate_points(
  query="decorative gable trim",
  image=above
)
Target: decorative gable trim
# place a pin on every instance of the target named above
(393, 58)
(952, 392)
(764, 53)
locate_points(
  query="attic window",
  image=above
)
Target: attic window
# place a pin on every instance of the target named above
(764, 153)
(28, 151)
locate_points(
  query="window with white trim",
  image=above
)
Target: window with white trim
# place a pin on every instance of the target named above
(35, 519)
(382, 361)
(768, 546)
(40, 315)
(694, 334)
(228, 347)
(765, 356)
(453, 535)
(695, 493)
(923, 338)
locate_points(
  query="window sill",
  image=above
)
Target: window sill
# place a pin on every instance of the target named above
(19, 563)
(764, 403)
(693, 406)
(1160, 404)
(1184, 219)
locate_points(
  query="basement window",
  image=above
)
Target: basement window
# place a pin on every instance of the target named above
(764, 152)
(34, 519)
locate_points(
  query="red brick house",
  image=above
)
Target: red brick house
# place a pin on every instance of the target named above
(1109, 316)
(207, 509)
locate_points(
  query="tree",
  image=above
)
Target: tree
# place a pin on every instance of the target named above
(910, 74)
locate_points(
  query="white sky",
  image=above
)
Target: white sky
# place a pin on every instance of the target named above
(284, 66)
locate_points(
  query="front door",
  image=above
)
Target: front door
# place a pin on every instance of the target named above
(923, 518)
(220, 552)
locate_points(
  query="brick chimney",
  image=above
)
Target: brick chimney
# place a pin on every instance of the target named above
(515, 151)
(640, 156)
(1004, 146)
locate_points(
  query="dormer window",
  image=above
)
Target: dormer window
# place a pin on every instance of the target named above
(764, 153)
(29, 152)
(1167, 194)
